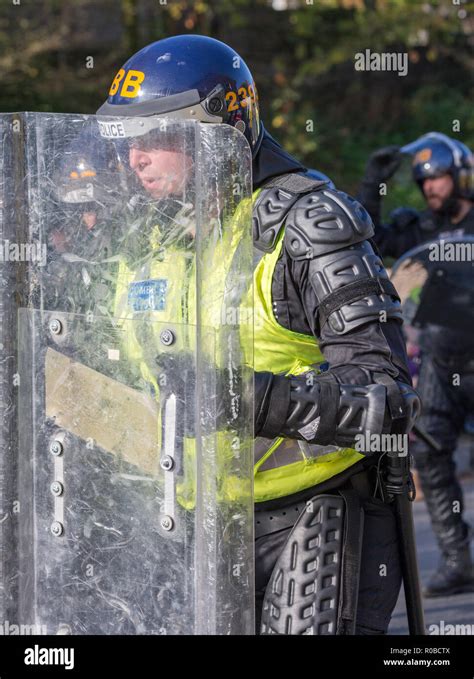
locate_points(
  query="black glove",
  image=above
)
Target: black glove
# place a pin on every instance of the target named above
(382, 165)
(318, 409)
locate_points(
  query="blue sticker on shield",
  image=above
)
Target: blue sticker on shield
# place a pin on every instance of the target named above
(147, 295)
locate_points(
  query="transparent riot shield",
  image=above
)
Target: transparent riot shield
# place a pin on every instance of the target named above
(127, 503)
(443, 293)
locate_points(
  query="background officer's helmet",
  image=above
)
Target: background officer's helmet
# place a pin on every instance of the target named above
(435, 154)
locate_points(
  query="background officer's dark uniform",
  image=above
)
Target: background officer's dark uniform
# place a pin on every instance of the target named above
(445, 352)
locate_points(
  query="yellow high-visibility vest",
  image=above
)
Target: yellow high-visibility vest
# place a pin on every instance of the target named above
(282, 466)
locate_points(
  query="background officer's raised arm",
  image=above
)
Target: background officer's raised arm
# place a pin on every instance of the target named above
(400, 232)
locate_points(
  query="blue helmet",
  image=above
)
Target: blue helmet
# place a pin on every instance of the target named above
(185, 76)
(435, 154)
(88, 170)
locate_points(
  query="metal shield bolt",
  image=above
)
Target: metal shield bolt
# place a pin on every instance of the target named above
(56, 448)
(55, 326)
(167, 523)
(57, 488)
(167, 463)
(57, 528)
(167, 337)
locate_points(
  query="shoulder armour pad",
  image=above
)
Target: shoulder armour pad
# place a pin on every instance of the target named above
(324, 221)
(269, 212)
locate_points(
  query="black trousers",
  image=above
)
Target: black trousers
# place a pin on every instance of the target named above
(447, 396)
(380, 571)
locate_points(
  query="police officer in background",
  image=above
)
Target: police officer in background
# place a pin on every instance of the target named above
(444, 170)
(81, 245)
(326, 368)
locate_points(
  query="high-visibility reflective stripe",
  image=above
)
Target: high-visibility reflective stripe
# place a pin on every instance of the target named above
(263, 448)
(270, 454)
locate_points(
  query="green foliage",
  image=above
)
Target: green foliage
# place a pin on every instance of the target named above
(312, 98)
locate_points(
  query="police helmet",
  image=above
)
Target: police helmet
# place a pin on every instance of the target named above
(435, 154)
(87, 172)
(185, 76)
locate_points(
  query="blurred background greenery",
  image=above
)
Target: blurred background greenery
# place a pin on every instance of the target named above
(302, 55)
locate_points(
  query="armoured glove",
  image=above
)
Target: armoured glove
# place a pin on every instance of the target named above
(382, 165)
(318, 409)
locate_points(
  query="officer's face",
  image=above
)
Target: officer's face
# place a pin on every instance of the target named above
(162, 173)
(89, 219)
(437, 190)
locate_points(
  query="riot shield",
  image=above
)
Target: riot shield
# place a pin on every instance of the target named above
(444, 294)
(126, 459)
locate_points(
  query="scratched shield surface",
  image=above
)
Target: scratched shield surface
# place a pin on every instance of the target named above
(444, 294)
(126, 450)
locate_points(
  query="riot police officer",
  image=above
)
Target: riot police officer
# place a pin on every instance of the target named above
(326, 368)
(444, 170)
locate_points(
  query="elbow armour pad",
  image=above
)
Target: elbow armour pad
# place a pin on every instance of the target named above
(330, 229)
(317, 409)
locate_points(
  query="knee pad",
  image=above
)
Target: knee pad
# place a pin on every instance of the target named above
(314, 585)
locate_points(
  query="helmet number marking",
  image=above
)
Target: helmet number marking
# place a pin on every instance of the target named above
(252, 94)
(244, 95)
(232, 104)
(422, 156)
(247, 97)
(130, 80)
(116, 82)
